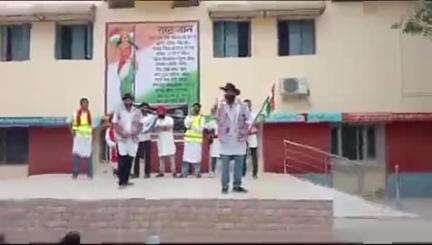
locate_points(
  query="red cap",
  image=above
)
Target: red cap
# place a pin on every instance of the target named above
(161, 109)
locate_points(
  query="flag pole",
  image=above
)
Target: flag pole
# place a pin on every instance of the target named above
(262, 108)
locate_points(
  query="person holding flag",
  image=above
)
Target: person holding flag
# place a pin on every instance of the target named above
(252, 140)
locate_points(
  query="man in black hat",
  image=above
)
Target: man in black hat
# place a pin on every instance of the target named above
(234, 122)
(127, 123)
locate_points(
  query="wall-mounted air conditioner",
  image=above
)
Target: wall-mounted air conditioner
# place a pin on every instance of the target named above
(294, 86)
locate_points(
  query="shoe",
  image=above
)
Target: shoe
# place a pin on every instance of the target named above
(211, 174)
(255, 177)
(134, 176)
(122, 187)
(198, 176)
(160, 175)
(130, 183)
(224, 190)
(74, 176)
(182, 176)
(174, 175)
(239, 189)
(146, 176)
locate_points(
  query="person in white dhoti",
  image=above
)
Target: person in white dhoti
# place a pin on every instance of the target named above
(82, 139)
(165, 143)
(193, 140)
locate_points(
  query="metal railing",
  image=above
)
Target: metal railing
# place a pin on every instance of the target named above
(327, 159)
(302, 160)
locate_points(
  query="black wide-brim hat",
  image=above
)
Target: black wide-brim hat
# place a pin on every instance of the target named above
(127, 96)
(231, 87)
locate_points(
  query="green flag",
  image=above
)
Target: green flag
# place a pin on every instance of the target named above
(265, 110)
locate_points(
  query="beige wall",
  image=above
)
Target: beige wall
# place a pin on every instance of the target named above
(361, 64)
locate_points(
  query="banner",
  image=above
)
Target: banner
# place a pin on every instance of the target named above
(157, 62)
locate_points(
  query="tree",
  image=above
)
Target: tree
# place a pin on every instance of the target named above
(420, 23)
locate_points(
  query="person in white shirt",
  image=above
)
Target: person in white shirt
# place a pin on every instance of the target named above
(212, 128)
(144, 147)
(165, 143)
(252, 142)
(127, 123)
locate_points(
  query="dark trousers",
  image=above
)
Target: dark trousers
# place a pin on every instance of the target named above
(124, 167)
(253, 154)
(213, 163)
(144, 151)
(76, 162)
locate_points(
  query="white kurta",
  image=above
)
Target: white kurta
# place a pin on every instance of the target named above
(125, 119)
(82, 146)
(112, 145)
(252, 139)
(232, 146)
(147, 122)
(215, 145)
(215, 148)
(165, 142)
(192, 152)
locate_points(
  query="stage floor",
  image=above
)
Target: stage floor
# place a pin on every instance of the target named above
(267, 186)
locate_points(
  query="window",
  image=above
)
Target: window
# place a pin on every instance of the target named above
(74, 42)
(355, 142)
(14, 145)
(296, 37)
(334, 142)
(14, 42)
(231, 39)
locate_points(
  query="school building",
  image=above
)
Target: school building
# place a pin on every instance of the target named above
(346, 82)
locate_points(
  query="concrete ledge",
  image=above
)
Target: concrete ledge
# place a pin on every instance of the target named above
(132, 220)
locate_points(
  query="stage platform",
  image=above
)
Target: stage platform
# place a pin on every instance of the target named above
(276, 208)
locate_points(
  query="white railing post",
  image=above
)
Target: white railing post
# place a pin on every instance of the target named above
(398, 204)
(327, 172)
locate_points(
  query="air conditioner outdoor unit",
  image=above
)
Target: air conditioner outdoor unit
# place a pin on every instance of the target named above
(294, 86)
